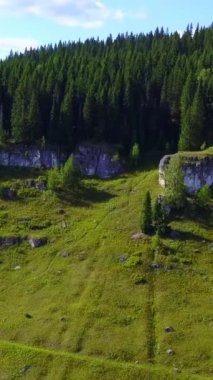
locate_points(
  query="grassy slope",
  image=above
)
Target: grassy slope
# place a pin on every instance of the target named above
(89, 319)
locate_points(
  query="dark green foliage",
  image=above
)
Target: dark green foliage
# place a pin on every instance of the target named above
(70, 175)
(135, 156)
(175, 188)
(160, 218)
(204, 195)
(54, 179)
(66, 178)
(134, 88)
(146, 214)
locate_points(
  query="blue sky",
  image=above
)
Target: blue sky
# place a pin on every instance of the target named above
(25, 23)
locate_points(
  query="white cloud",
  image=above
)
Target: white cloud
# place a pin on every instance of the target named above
(17, 44)
(83, 13)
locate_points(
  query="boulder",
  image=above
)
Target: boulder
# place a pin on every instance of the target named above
(9, 241)
(169, 329)
(37, 242)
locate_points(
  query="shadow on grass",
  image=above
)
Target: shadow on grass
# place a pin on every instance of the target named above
(9, 173)
(85, 196)
(185, 235)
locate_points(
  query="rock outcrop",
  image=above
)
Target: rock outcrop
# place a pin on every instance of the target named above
(31, 157)
(197, 168)
(98, 160)
(95, 160)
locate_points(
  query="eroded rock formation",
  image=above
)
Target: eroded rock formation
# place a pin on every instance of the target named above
(198, 171)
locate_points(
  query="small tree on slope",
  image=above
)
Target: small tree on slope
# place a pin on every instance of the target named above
(146, 214)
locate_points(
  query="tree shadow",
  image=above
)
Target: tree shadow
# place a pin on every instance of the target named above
(175, 234)
(85, 196)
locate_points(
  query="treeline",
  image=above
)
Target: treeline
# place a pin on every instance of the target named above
(155, 90)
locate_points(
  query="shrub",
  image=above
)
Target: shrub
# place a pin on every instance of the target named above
(204, 195)
(175, 189)
(70, 175)
(135, 156)
(53, 179)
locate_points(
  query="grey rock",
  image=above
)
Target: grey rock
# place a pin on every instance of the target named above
(63, 254)
(155, 266)
(9, 241)
(122, 258)
(39, 185)
(177, 370)
(169, 329)
(32, 157)
(17, 267)
(63, 224)
(138, 236)
(98, 160)
(198, 171)
(25, 369)
(170, 352)
(37, 242)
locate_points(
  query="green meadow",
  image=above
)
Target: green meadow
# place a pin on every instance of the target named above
(90, 304)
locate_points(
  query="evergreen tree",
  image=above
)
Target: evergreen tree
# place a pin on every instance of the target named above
(175, 189)
(3, 135)
(146, 214)
(70, 175)
(159, 217)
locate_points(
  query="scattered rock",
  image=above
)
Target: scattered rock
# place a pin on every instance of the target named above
(10, 194)
(29, 316)
(63, 224)
(177, 370)
(170, 351)
(140, 281)
(138, 236)
(169, 329)
(37, 184)
(17, 267)
(9, 241)
(25, 369)
(156, 266)
(61, 211)
(122, 258)
(37, 242)
(63, 254)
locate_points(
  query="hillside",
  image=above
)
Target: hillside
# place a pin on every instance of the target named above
(155, 89)
(93, 303)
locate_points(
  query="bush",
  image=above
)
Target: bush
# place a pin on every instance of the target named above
(135, 156)
(54, 179)
(204, 195)
(70, 175)
(66, 178)
(175, 189)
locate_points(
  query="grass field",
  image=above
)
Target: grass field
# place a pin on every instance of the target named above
(87, 315)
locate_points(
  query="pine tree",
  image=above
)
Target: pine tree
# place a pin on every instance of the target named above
(175, 189)
(159, 217)
(70, 175)
(146, 214)
(3, 136)
(33, 120)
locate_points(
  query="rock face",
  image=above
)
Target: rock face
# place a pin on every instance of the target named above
(98, 160)
(95, 160)
(198, 171)
(31, 157)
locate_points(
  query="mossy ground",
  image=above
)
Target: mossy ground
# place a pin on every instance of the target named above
(91, 316)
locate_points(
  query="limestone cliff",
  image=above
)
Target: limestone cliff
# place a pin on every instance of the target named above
(95, 160)
(197, 168)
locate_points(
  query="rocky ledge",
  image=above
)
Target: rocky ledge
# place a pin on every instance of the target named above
(197, 168)
(99, 160)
